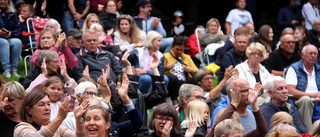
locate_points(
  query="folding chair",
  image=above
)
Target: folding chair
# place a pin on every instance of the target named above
(29, 57)
(37, 25)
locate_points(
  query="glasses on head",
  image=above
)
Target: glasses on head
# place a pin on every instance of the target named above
(200, 97)
(290, 42)
(311, 53)
(256, 54)
(207, 79)
(160, 119)
(90, 94)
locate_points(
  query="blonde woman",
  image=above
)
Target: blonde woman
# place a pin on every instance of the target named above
(128, 35)
(213, 33)
(197, 111)
(91, 18)
(281, 118)
(253, 71)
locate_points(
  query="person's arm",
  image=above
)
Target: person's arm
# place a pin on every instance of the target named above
(227, 26)
(277, 73)
(297, 93)
(161, 30)
(281, 20)
(71, 7)
(72, 60)
(86, 10)
(230, 71)
(37, 84)
(35, 57)
(178, 29)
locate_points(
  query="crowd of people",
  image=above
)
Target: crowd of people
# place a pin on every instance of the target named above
(112, 74)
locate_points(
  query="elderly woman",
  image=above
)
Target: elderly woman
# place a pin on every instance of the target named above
(253, 71)
(108, 15)
(265, 37)
(165, 121)
(141, 59)
(53, 25)
(178, 66)
(10, 111)
(35, 116)
(49, 41)
(213, 33)
(314, 33)
(128, 35)
(10, 45)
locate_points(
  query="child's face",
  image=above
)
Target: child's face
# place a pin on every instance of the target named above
(178, 19)
(99, 30)
(55, 91)
(206, 114)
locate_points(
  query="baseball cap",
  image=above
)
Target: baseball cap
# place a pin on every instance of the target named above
(74, 33)
(141, 3)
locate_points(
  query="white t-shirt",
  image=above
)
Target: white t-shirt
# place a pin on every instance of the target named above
(291, 79)
(54, 110)
(237, 18)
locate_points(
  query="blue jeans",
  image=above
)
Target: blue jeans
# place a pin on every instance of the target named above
(10, 51)
(146, 82)
(67, 19)
(166, 44)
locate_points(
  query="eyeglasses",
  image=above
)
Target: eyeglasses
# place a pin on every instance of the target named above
(290, 42)
(160, 119)
(207, 79)
(90, 94)
(111, 6)
(256, 54)
(311, 53)
(200, 97)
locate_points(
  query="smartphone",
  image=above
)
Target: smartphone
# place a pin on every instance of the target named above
(5, 30)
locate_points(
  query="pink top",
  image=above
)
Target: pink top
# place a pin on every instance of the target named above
(66, 54)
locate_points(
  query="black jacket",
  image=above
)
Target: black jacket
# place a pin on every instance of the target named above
(109, 20)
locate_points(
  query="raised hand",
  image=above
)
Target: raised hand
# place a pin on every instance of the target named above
(109, 33)
(253, 96)
(155, 61)
(123, 90)
(191, 129)
(44, 70)
(63, 70)
(85, 73)
(44, 7)
(235, 95)
(3, 99)
(124, 59)
(106, 73)
(79, 110)
(61, 41)
(104, 89)
(166, 129)
(63, 109)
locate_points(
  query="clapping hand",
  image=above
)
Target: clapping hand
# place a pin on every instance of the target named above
(253, 96)
(123, 90)
(63, 109)
(104, 89)
(44, 70)
(235, 95)
(79, 110)
(85, 73)
(124, 59)
(63, 71)
(106, 73)
(3, 99)
(192, 129)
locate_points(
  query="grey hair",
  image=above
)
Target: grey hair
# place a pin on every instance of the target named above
(81, 87)
(315, 22)
(270, 82)
(230, 84)
(227, 127)
(186, 91)
(282, 128)
(48, 55)
(315, 129)
(304, 48)
(56, 23)
(286, 29)
(91, 31)
(201, 73)
(15, 89)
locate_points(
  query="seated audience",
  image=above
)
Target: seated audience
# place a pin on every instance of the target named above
(95, 58)
(179, 67)
(11, 98)
(35, 116)
(128, 35)
(197, 111)
(314, 33)
(10, 44)
(53, 25)
(108, 15)
(141, 59)
(278, 91)
(192, 43)
(280, 59)
(213, 33)
(252, 71)
(265, 37)
(74, 40)
(178, 27)
(49, 41)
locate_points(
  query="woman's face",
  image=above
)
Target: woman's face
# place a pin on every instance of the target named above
(53, 65)
(52, 27)
(270, 36)
(4, 4)
(206, 114)
(124, 26)
(178, 50)
(55, 91)
(213, 27)
(285, 121)
(298, 35)
(40, 112)
(161, 121)
(156, 43)
(47, 40)
(95, 124)
(111, 7)
(92, 20)
(255, 56)
(317, 28)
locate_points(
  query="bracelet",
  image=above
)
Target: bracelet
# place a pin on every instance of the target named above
(80, 123)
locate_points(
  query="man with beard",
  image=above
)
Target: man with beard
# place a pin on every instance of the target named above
(283, 57)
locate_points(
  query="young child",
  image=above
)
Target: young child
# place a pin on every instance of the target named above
(197, 111)
(103, 38)
(178, 27)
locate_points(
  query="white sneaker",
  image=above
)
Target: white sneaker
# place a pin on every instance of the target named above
(7, 73)
(15, 73)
